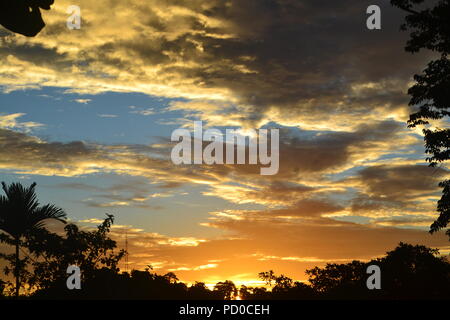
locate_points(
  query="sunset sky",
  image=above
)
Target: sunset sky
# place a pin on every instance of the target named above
(88, 115)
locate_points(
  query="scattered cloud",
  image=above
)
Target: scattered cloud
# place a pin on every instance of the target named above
(10, 121)
(143, 112)
(83, 101)
(108, 115)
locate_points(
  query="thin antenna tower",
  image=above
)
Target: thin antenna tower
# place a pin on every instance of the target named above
(126, 250)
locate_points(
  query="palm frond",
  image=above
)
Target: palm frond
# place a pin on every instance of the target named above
(48, 211)
(20, 211)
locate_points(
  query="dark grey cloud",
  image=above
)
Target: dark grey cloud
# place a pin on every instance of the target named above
(400, 187)
(401, 182)
(302, 56)
(18, 148)
(303, 154)
(296, 51)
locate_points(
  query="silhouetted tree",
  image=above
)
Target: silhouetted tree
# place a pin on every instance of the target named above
(414, 271)
(199, 291)
(254, 293)
(259, 293)
(407, 272)
(171, 277)
(282, 288)
(2, 287)
(281, 283)
(92, 251)
(339, 280)
(244, 292)
(227, 290)
(267, 276)
(430, 29)
(20, 213)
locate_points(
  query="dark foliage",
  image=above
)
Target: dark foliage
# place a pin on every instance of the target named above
(430, 29)
(20, 214)
(92, 251)
(408, 272)
(23, 16)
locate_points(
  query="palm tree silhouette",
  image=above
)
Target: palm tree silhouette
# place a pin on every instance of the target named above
(20, 213)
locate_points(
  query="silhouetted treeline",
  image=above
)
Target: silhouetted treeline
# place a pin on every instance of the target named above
(407, 272)
(38, 267)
